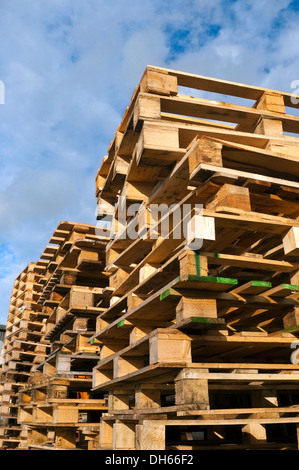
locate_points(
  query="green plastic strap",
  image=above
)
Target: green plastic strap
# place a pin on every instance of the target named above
(290, 329)
(261, 283)
(165, 294)
(197, 262)
(200, 320)
(169, 295)
(219, 280)
(290, 286)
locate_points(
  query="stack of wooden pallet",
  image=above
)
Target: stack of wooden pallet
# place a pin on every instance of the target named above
(56, 405)
(198, 339)
(24, 348)
(184, 313)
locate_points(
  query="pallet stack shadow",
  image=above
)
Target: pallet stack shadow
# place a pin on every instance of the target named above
(24, 348)
(57, 407)
(197, 343)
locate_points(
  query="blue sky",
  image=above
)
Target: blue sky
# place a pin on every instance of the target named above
(69, 69)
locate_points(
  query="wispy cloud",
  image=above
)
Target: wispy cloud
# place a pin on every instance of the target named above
(69, 70)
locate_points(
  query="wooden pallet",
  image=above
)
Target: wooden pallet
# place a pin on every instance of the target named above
(192, 346)
(206, 434)
(22, 350)
(232, 302)
(56, 405)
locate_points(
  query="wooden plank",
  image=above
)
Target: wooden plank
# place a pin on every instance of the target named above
(252, 287)
(150, 436)
(198, 107)
(291, 241)
(205, 168)
(225, 422)
(158, 82)
(283, 290)
(250, 262)
(222, 86)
